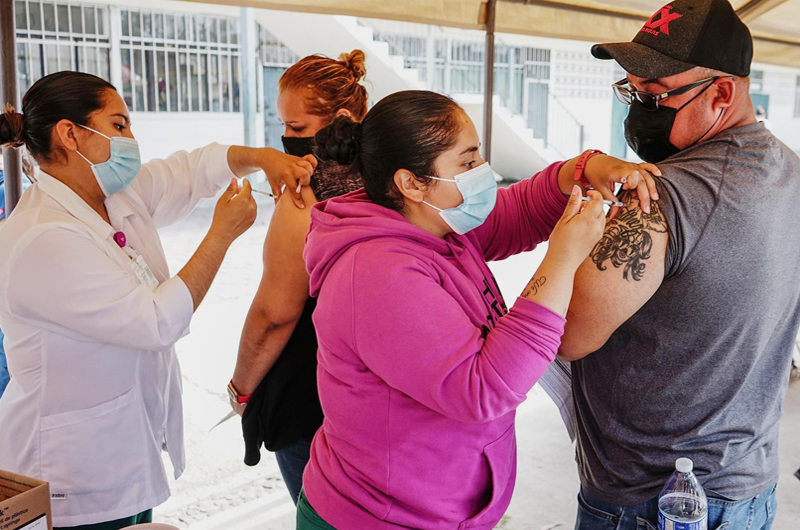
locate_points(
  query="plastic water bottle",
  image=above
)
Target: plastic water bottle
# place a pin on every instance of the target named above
(682, 504)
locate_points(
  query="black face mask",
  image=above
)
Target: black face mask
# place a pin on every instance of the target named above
(298, 146)
(647, 132)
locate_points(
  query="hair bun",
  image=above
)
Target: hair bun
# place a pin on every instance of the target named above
(339, 141)
(355, 62)
(12, 127)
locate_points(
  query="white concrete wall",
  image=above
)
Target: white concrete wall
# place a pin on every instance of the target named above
(161, 134)
(306, 34)
(595, 115)
(515, 154)
(582, 83)
(781, 84)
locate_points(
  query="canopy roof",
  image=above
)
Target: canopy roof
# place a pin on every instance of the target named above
(775, 24)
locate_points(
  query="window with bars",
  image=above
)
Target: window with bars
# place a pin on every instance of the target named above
(178, 62)
(458, 63)
(273, 52)
(275, 60)
(756, 81)
(55, 36)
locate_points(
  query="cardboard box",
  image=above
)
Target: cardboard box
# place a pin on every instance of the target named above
(24, 503)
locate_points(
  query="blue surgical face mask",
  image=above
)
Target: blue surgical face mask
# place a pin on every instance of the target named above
(479, 189)
(121, 168)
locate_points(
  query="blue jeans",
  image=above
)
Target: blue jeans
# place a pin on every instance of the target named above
(4, 377)
(292, 461)
(756, 513)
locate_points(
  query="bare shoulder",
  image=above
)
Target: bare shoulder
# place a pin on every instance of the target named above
(286, 207)
(289, 224)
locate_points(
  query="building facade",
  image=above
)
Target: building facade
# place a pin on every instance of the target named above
(181, 66)
(177, 65)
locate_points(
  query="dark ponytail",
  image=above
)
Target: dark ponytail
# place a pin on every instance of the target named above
(339, 141)
(11, 127)
(65, 95)
(405, 130)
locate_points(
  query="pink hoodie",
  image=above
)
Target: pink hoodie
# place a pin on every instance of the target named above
(419, 376)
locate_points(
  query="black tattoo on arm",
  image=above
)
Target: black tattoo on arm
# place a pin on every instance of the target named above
(627, 242)
(533, 286)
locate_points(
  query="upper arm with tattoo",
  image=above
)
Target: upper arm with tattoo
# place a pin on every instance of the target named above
(622, 273)
(627, 243)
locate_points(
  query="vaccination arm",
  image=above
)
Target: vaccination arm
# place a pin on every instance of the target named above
(281, 295)
(172, 187)
(620, 275)
(527, 211)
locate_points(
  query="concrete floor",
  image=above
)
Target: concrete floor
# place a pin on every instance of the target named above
(219, 492)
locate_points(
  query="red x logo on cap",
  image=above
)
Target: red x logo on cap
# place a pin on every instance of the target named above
(664, 18)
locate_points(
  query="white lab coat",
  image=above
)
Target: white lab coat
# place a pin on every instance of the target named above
(95, 393)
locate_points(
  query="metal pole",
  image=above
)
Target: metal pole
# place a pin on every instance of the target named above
(512, 81)
(248, 58)
(430, 60)
(115, 52)
(12, 158)
(491, 6)
(448, 57)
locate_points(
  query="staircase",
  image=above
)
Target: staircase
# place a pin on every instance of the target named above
(521, 145)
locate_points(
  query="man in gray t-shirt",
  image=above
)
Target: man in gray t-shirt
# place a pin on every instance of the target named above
(689, 310)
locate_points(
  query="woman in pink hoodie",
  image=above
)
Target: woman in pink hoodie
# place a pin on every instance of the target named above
(421, 364)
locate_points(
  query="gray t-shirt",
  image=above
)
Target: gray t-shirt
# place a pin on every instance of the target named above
(702, 369)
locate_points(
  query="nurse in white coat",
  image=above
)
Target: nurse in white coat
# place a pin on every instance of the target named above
(88, 306)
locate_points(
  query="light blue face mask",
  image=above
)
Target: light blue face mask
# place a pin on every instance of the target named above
(479, 189)
(121, 168)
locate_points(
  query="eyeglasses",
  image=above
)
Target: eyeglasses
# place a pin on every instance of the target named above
(650, 101)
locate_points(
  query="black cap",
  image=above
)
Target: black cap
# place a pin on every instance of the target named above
(682, 35)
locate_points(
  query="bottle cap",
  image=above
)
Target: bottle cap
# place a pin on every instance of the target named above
(684, 465)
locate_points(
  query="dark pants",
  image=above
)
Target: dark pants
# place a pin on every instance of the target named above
(756, 513)
(308, 518)
(144, 517)
(4, 377)
(292, 461)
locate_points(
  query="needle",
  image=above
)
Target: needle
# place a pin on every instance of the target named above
(608, 203)
(268, 194)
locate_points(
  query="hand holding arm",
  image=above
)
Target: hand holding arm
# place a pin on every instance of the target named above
(605, 172)
(280, 168)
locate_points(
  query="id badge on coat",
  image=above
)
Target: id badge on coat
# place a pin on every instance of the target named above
(142, 270)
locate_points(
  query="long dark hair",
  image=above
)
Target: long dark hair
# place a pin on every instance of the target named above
(405, 130)
(61, 96)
